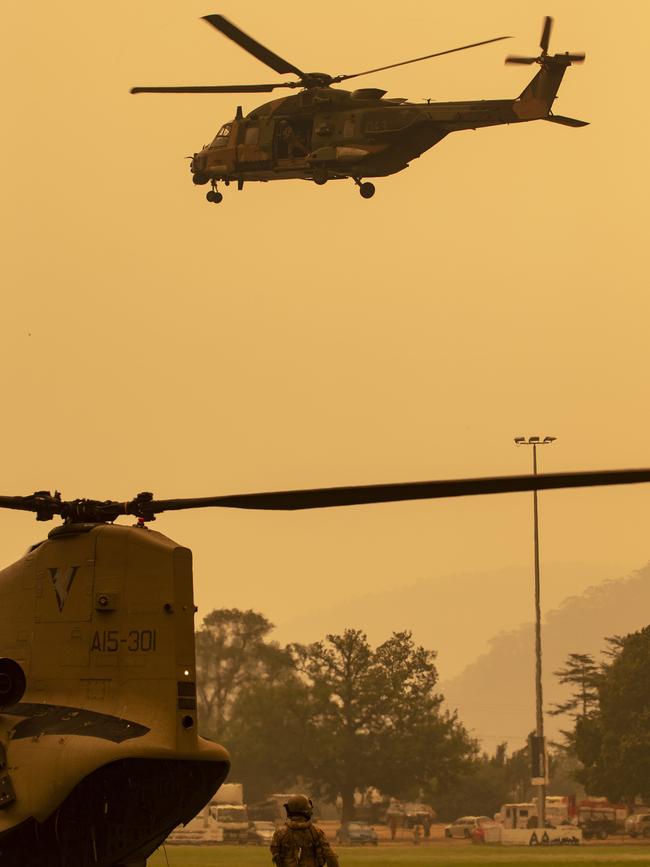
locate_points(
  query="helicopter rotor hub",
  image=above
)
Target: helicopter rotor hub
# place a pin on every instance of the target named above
(317, 79)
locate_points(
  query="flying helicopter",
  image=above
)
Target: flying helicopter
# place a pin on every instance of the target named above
(99, 753)
(323, 133)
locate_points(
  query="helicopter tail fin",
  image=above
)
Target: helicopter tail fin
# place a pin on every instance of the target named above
(537, 98)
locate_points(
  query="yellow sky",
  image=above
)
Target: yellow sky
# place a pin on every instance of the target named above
(298, 336)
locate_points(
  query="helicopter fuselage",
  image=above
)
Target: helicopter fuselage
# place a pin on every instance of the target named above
(100, 759)
(322, 133)
(325, 134)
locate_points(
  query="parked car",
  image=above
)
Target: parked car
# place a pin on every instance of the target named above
(260, 833)
(598, 823)
(478, 834)
(465, 826)
(358, 833)
(638, 825)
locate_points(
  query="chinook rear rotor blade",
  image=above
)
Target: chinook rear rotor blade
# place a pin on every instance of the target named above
(356, 495)
(143, 506)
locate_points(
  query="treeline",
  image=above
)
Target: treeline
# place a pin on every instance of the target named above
(339, 716)
(609, 707)
(333, 717)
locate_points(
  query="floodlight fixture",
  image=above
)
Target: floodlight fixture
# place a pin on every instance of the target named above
(534, 441)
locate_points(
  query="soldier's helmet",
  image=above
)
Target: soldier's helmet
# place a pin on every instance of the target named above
(299, 805)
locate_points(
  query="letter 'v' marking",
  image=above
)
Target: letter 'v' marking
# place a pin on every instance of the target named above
(62, 584)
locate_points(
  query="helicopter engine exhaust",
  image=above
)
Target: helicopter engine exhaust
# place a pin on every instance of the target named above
(13, 683)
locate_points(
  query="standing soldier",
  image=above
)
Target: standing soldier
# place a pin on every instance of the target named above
(299, 843)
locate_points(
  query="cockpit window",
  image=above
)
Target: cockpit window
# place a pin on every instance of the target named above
(221, 138)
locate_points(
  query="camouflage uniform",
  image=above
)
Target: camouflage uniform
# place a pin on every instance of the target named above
(302, 844)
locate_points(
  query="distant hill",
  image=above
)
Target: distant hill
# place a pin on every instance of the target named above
(457, 615)
(495, 694)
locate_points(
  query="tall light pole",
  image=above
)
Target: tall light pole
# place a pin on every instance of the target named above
(538, 749)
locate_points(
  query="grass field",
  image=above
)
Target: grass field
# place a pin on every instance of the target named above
(410, 856)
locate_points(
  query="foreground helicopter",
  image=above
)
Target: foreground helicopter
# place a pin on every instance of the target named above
(99, 753)
(323, 134)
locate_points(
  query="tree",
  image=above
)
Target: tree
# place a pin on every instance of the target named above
(232, 652)
(378, 719)
(419, 748)
(270, 735)
(333, 717)
(581, 672)
(613, 743)
(484, 787)
(339, 673)
(489, 782)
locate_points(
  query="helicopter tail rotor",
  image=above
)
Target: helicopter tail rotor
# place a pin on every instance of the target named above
(546, 34)
(545, 58)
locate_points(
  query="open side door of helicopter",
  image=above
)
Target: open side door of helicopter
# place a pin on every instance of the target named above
(292, 140)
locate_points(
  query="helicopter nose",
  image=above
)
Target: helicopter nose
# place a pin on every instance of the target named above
(199, 161)
(198, 165)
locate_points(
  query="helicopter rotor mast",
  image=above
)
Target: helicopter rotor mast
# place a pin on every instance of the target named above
(145, 508)
(306, 80)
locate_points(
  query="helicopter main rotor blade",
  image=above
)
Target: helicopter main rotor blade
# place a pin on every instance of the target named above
(26, 504)
(144, 507)
(219, 88)
(339, 78)
(252, 46)
(355, 495)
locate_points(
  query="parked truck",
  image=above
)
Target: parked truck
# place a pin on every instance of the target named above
(224, 820)
(517, 815)
(233, 821)
(559, 811)
(229, 793)
(202, 830)
(229, 811)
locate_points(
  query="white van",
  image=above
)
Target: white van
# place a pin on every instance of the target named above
(519, 815)
(516, 815)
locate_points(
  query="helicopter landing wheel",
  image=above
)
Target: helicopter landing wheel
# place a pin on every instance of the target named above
(320, 178)
(214, 196)
(367, 190)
